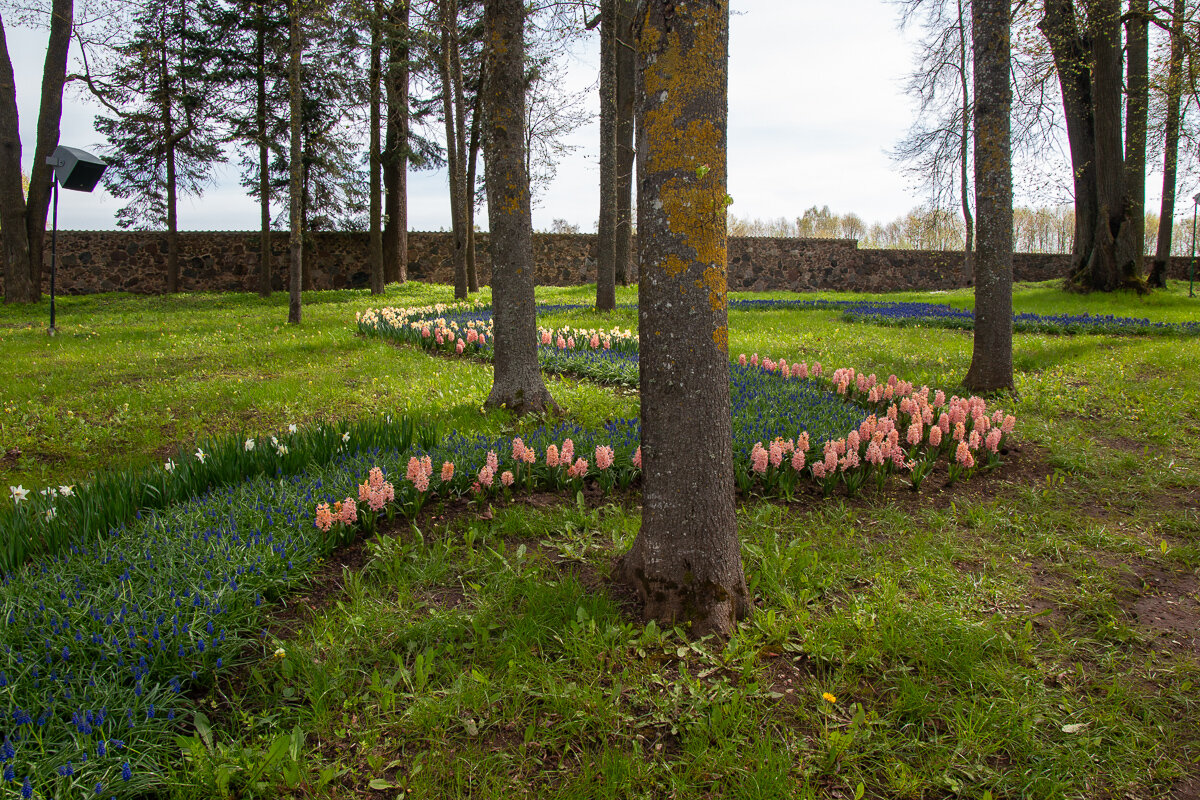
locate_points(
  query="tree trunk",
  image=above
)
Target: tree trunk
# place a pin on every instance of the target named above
(991, 362)
(623, 247)
(472, 164)
(685, 563)
(517, 379)
(606, 240)
(264, 155)
(395, 157)
(376, 191)
(1137, 81)
(24, 219)
(1166, 215)
(964, 149)
(456, 189)
(172, 220)
(467, 196)
(1072, 64)
(18, 287)
(295, 176)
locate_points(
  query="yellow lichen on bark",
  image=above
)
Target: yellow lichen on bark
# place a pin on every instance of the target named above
(676, 78)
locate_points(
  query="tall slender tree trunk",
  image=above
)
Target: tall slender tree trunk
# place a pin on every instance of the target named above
(395, 157)
(23, 219)
(1137, 102)
(1166, 214)
(264, 155)
(606, 240)
(376, 190)
(517, 379)
(295, 175)
(472, 164)
(685, 563)
(461, 287)
(991, 361)
(623, 247)
(171, 138)
(460, 142)
(964, 146)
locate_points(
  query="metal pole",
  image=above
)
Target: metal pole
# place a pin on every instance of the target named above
(54, 257)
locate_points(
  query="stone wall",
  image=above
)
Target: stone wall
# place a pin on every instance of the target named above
(134, 261)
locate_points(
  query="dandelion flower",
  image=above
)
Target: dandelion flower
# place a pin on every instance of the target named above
(829, 698)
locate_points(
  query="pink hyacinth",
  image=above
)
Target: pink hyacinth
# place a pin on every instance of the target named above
(458, 348)
(935, 436)
(993, 440)
(939, 398)
(518, 449)
(376, 499)
(561, 343)
(604, 457)
(486, 474)
(776, 453)
(839, 446)
(324, 517)
(852, 441)
(831, 461)
(798, 460)
(439, 338)
(850, 461)
(506, 478)
(375, 477)
(998, 418)
(1009, 423)
(915, 434)
(893, 413)
(784, 370)
(546, 338)
(963, 455)
(349, 513)
(818, 470)
(944, 423)
(874, 454)
(414, 469)
(802, 443)
(974, 441)
(422, 482)
(472, 336)
(578, 469)
(637, 457)
(800, 370)
(816, 369)
(570, 342)
(552, 456)
(595, 342)
(425, 332)
(754, 360)
(567, 453)
(758, 458)
(960, 431)
(447, 470)
(742, 360)
(493, 462)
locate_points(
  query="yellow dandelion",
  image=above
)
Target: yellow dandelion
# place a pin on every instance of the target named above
(829, 698)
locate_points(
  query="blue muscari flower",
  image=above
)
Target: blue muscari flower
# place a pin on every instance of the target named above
(126, 771)
(10, 774)
(27, 788)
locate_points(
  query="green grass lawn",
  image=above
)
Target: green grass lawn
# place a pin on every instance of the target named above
(1033, 632)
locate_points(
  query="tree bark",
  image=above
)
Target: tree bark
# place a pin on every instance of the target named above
(295, 177)
(376, 190)
(472, 164)
(18, 287)
(1137, 101)
(264, 165)
(991, 362)
(606, 240)
(171, 138)
(517, 379)
(964, 149)
(467, 196)
(395, 156)
(685, 563)
(623, 256)
(24, 219)
(446, 20)
(1166, 215)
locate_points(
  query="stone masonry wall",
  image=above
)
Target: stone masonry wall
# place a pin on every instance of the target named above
(135, 261)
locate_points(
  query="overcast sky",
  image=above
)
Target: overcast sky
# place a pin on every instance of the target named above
(815, 104)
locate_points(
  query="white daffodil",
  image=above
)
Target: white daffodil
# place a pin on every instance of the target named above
(18, 493)
(66, 491)
(280, 653)
(249, 445)
(169, 466)
(49, 491)
(282, 449)
(274, 442)
(346, 436)
(51, 513)
(292, 428)
(201, 455)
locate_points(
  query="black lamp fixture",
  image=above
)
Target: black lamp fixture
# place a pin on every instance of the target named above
(79, 171)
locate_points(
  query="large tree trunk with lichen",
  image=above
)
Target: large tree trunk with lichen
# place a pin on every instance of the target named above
(685, 563)
(517, 378)
(1166, 215)
(606, 240)
(22, 218)
(296, 172)
(395, 152)
(991, 362)
(623, 255)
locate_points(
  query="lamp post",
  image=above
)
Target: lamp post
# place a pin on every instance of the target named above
(1192, 265)
(77, 170)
